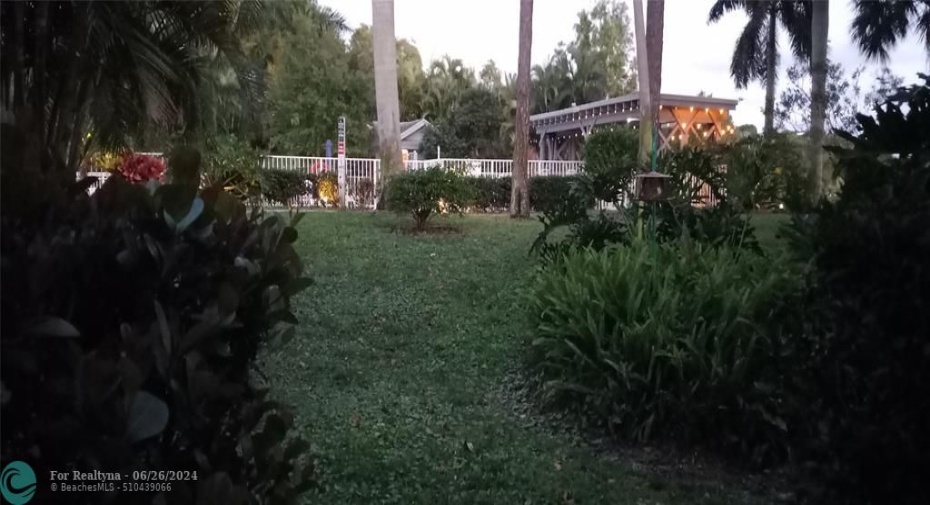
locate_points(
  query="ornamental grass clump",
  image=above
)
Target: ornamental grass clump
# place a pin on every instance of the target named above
(674, 340)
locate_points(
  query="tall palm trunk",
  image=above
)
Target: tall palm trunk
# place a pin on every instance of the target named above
(645, 101)
(655, 27)
(519, 196)
(820, 24)
(387, 98)
(771, 70)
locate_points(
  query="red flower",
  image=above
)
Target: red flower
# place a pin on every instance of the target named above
(142, 168)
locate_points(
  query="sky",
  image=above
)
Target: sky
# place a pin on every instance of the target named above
(696, 55)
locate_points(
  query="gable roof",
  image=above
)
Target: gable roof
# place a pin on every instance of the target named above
(410, 127)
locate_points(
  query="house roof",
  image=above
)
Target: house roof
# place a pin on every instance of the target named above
(410, 127)
(619, 109)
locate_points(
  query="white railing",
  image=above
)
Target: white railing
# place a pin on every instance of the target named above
(500, 168)
(101, 178)
(362, 174)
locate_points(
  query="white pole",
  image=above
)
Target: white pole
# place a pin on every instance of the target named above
(438, 152)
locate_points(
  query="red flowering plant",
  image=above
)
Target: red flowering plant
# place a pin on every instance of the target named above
(142, 168)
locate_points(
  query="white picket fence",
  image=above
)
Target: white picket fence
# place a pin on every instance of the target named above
(500, 168)
(362, 175)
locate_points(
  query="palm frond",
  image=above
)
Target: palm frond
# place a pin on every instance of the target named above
(748, 61)
(796, 18)
(878, 26)
(722, 7)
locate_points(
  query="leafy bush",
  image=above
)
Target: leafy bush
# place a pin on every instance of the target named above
(104, 160)
(326, 188)
(610, 162)
(692, 172)
(141, 168)
(132, 319)
(870, 339)
(674, 340)
(283, 186)
(765, 172)
(492, 194)
(423, 193)
(233, 164)
(546, 192)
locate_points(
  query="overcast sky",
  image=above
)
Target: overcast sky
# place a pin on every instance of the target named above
(696, 55)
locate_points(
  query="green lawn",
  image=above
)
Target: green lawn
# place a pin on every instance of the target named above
(404, 345)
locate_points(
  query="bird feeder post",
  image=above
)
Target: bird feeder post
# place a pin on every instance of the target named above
(651, 188)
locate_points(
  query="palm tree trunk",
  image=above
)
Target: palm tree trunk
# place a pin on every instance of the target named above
(655, 27)
(387, 98)
(645, 112)
(19, 33)
(40, 97)
(771, 71)
(519, 195)
(820, 24)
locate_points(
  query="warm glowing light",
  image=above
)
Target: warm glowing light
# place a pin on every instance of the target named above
(660, 107)
(706, 109)
(684, 125)
(721, 111)
(692, 109)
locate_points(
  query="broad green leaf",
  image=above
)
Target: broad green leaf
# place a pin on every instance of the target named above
(148, 417)
(51, 326)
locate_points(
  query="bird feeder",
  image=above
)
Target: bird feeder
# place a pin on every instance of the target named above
(652, 186)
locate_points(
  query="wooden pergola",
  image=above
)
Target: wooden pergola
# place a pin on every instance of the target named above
(682, 120)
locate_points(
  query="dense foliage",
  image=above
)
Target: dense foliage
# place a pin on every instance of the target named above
(610, 164)
(233, 164)
(132, 319)
(141, 168)
(667, 340)
(284, 186)
(424, 193)
(869, 363)
(492, 194)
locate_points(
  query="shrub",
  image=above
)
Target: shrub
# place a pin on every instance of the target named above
(234, 165)
(765, 172)
(691, 172)
(492, 194)
(547, 191)
(283, 186)
(131, 323)
(141, 168)
(870, 339)
(424, 193)
(326, 188)
(104, 160)
(666, 340)
(610, 161)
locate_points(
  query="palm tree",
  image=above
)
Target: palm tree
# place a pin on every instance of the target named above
(519, 196)
(878, 26)
(820, 25)
(645, 101)
(387, 97)
(756, 54)
(110, 68)
(655, 26)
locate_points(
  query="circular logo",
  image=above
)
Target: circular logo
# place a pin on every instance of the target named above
(17, 483)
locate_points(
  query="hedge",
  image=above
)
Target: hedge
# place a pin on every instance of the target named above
(493, 194)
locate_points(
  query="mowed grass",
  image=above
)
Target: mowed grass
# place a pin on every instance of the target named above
(404, 345)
